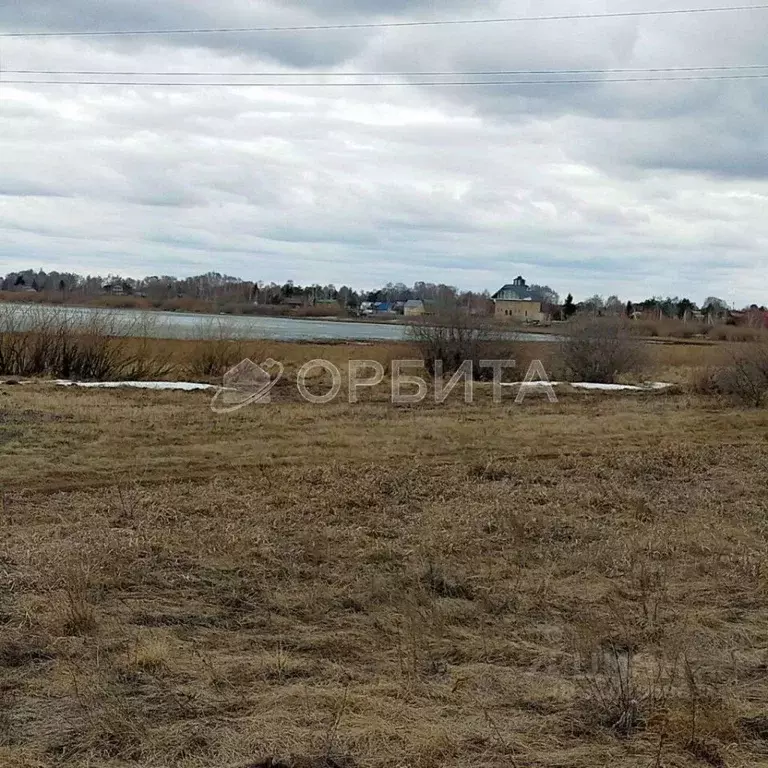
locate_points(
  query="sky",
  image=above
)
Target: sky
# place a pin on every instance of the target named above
(627, 188)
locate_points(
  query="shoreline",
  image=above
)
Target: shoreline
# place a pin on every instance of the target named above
(543, 333)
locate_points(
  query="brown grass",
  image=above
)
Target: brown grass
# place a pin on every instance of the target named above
(70, 353)
(576, 584)
(737, 333)
(670, 328)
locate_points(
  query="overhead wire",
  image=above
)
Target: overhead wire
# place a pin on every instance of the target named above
(444, 73)
(370, 84)
(386, 24)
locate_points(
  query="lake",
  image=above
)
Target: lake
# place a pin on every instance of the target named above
(181, 325)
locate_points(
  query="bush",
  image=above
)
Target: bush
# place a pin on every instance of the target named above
(744, 379)
(453, 337)
(217, 351)
(69, 344)
(668, 327)
(600, 349)
(618, 693)
(645, 328)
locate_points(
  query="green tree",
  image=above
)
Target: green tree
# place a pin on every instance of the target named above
(684, 306)
(569, 308)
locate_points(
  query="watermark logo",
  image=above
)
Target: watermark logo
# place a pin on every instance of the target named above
(247, 383)
(320, 382)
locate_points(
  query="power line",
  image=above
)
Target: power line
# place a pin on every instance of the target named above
(437, 83)
(124, 73)
(387, 24)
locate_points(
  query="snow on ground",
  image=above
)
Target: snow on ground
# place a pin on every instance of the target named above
(616, 387)
(593, 386)
(605, 387)
(530, 383)
(187, 386)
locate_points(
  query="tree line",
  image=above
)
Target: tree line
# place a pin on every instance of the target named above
(217, 287)
(658, 306)
(214, 286)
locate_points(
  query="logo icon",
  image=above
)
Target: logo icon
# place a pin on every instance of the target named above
(247, 383)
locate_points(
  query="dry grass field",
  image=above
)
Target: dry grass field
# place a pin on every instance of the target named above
(565, 585)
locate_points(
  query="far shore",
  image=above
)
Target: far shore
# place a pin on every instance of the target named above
(240, 312)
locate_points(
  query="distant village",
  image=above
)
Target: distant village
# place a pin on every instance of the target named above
(517, 302)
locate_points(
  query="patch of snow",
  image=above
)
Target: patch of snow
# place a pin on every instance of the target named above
(604, 387)
(186, 386)
(618, 387)
(530, 383)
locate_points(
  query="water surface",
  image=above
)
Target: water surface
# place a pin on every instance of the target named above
(182, 325)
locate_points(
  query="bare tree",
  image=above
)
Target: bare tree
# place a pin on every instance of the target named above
(453, 336)
(614, 305)
(745, 378)
(594, 304)
(600, 349)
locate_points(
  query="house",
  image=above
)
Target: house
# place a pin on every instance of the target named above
(515, 302)
(114, 289)
(376, 308)
(754, 317)
(414, 308)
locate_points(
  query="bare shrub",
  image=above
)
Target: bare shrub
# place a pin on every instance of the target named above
(646, 327)
(451, 337)
(89, 348)
(668, 327)
(217, 351)
(143, 365)
(11, 341)
(735, 333)
(63, 343)
(214, 358)
(619, 693)
(703, 381)
(145, 360)
(744, 379)
(600, 349)
(73, 611)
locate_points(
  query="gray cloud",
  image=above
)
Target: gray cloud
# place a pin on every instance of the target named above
(635, 188)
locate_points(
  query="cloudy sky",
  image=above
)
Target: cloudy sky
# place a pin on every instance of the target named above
(634, 188)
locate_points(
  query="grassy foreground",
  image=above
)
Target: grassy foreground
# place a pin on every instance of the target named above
(576, 584)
